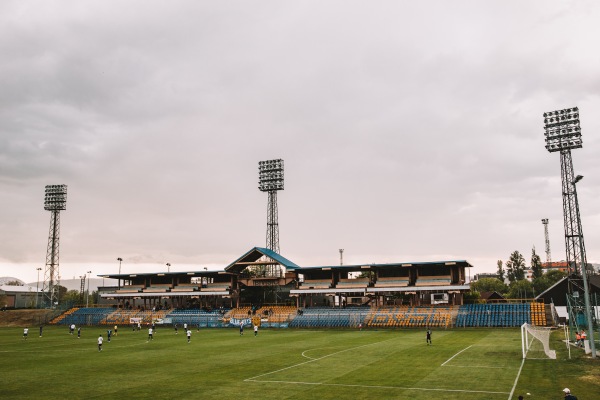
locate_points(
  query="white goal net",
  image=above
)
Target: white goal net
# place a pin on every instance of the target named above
(535, 341)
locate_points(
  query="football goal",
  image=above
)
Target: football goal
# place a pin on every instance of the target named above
(535, 342)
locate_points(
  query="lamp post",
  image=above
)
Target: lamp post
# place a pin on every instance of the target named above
(87, 298)
(120, 260)
(37, 287)
(168, 267)
(586, 291)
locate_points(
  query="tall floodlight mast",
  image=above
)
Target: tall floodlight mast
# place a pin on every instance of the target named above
(270, 180)
(547, 238)
(55, 201)
(563, 133)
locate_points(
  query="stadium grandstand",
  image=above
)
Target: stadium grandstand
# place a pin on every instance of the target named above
(264, 288)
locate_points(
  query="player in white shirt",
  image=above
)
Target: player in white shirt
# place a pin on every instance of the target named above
(150, 337)
(189, 335)
(25, 333)
(255, 330)
(100, 340)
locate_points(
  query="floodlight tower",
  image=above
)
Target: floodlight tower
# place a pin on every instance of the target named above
(563, 133)
(270, 180)
(548, 257)
(55, 201)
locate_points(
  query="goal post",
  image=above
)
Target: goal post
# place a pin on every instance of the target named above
(535, 342)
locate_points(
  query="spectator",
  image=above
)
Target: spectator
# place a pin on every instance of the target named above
(568, 395)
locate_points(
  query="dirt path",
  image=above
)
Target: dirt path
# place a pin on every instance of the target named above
(25, 317)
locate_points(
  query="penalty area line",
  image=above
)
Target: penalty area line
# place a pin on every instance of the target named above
(377, 386)
(448, 360)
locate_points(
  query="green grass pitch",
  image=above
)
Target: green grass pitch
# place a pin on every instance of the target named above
(286, 364)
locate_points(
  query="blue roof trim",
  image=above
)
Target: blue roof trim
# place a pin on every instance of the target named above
(269, 253)
(278, 257)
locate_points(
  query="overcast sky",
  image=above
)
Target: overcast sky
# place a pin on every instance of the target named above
(411, 131)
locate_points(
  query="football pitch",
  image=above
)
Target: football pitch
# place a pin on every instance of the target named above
(286, 364)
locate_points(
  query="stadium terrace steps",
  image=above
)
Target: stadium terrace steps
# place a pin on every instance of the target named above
(216, 287)
(353, 283)
(64, 315)
(493, 315)
(327, 317)
(538, 314)
(392, 281)
(433, 280)
(410, 317)
(315, 284)
(85, 316)
(197, 317)
(469, 315)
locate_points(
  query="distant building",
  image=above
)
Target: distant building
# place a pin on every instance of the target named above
(19, 296)
(555, 265)
(485, 275)
(562, 266)
(492, 297)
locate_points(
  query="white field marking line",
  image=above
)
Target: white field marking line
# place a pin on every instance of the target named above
(379, 387)
(310, 358)
(516, 380)
(473, 366)
(448, 360)
(315, 359)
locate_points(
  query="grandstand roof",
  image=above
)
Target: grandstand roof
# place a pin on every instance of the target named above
(358, 267)
(556, 293)
(409, 289)
(18, 289)
(253, 255)
(142, 274)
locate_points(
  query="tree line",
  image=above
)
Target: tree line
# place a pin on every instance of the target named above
(518, 286)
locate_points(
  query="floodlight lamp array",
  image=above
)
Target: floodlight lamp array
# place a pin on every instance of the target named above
(55, 198)
(270, 175)
(562, 129)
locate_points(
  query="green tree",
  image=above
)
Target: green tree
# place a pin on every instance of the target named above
(14, 283)
(72, 297)
(555, 275)
(471, 297)
(536, 265)
(515, 267)
(520, 289)
(489, 285)
(542, 283)
(500, 271)
(62, 291)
